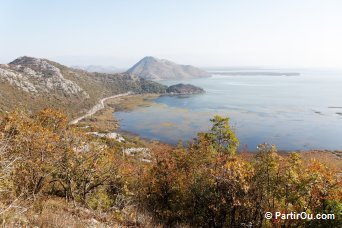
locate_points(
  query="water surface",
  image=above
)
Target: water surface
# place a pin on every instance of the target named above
(293, 112)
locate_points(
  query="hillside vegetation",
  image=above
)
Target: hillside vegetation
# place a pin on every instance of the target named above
(34, 84)
(184, 89)
(53, 174)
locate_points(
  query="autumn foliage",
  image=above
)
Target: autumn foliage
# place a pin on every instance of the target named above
(207, 184)
(204, 184)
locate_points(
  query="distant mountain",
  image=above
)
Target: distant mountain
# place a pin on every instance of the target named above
(37, 83)
(159, 69)
(255, 73)
(99, 69)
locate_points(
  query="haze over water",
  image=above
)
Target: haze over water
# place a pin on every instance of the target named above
(293, 112)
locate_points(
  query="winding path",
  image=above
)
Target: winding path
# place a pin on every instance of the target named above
(98, 107)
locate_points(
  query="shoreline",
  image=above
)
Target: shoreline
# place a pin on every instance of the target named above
(101, 117)
(131, 101)
(99, 106)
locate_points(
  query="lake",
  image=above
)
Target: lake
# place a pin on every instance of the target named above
(293, 112)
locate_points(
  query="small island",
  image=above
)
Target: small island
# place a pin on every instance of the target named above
(180, 89)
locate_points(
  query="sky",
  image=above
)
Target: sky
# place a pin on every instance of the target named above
(205, 33)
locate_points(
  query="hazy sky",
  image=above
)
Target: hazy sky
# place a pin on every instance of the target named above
(295, 33)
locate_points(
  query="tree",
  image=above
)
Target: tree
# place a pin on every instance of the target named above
(162, 188)
(220, 137)
(36, 146)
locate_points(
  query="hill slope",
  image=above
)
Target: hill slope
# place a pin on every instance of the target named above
(37, 83)
(159, 69)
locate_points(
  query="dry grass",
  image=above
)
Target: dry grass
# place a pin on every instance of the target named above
(55, 212)
(332, 159)
(104, 120)
(129, 103)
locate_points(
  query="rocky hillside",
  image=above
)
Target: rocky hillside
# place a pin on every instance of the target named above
(184, 89)
(160, 69)
(37, 83)
(37, 76)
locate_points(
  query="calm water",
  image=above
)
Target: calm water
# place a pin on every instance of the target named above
(294, 113)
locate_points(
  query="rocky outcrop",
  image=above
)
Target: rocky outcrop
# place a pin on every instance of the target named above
(161, 69)
(111, 135)
(37, 76)
(184, 89)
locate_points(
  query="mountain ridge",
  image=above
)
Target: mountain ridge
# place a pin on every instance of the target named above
(35, 83)
(98, 68)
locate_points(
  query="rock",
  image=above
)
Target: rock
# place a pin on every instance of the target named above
(111, 135)
(143, 154)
